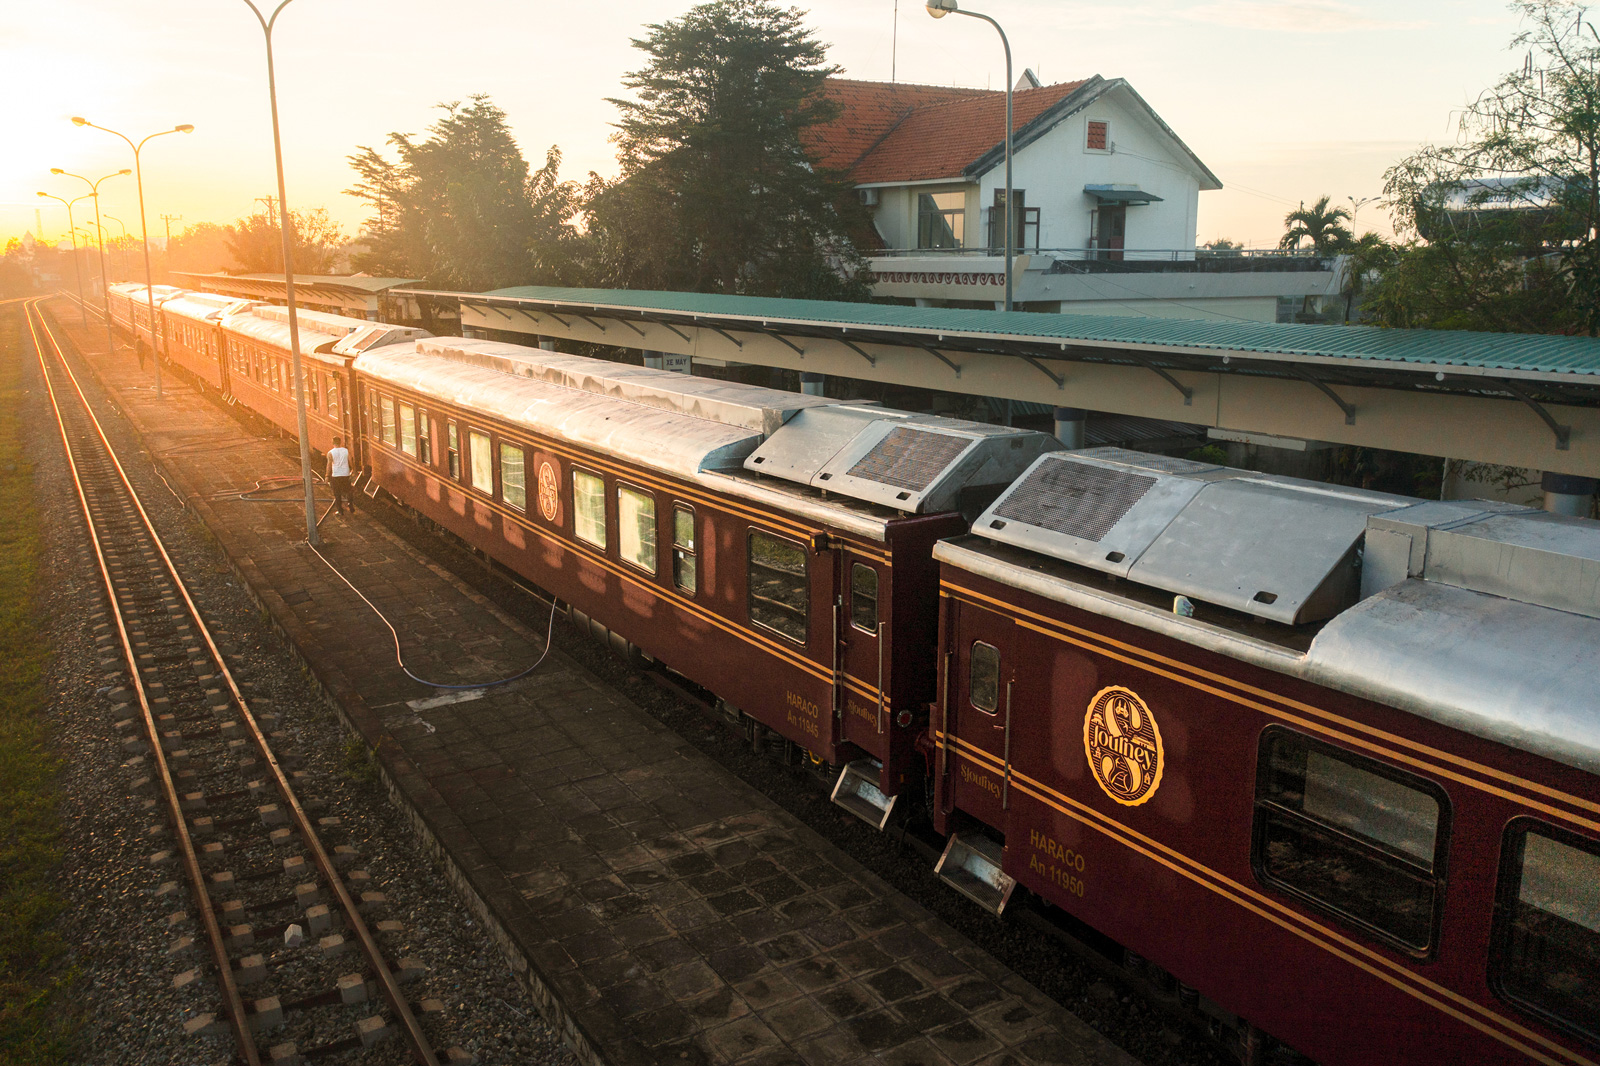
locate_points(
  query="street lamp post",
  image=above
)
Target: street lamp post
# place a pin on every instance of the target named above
(72, 234)
(144, 234)
(105, 285)
(286, 220)
(939, 9)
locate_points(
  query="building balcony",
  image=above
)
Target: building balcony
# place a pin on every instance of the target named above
(1165, 282)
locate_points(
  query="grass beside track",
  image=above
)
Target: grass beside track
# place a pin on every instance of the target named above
(36, 1021)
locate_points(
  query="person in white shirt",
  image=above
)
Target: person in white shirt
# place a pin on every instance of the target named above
(339, 475)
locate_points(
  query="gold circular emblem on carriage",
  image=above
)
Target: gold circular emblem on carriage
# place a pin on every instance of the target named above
(549, 492)
(1123, 744)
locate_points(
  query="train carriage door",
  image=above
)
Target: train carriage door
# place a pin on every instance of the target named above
(863, 651)
(975, 749)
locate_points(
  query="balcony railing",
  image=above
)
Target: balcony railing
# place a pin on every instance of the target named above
(1142, 260)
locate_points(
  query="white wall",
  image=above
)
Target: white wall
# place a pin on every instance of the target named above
(1054, 169)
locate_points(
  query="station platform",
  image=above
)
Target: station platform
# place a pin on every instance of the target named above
(658, 909)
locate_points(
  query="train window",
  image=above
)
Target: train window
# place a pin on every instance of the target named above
(479, 460)
(636, 527)
(314, 393)
(864, 597)
(408, 429)
(1351, 836)
(513, 480)
(453, 450)
(424, 436)
(779, 588)
(333, 399)
(1546, 954)
(589, 507)
(683, 552)
(983, 685)
(386, 404)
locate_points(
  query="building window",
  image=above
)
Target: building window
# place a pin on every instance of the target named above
(636, 528)
(983, 684)
(513, 479)
(1546, 954)
(941, 219)
(779, 587)
(408, 429)
(387, 406)
(453, 449)
(589, 507)
(424, 436)
(1099, 135)
(1351, 836)
(683, 557)
(864, 597)
(481, 461)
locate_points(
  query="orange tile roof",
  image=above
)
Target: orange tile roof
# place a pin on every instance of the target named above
(889, 132)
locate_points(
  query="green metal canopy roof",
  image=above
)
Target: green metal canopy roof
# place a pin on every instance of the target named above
(1533, 356)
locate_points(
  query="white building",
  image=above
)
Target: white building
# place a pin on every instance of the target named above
(1107, 198)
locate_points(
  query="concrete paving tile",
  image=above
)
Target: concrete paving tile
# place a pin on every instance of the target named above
(964, 1042)
(767, 990)
(740, 1038)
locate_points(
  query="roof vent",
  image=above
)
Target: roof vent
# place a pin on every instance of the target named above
(1075, 498)
(909, 458)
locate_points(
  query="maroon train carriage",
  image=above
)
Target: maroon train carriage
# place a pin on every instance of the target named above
(194, 338)
(1352, 800)
(130, 309)
(772, 547)
(260, 366)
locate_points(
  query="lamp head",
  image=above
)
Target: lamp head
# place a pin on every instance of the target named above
(124, 170)
(41, 194)
(57, 170)
(78, 120)
(185, 128)
(940, 8)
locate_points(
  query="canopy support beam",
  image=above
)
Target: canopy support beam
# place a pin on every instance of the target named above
(1310, 379)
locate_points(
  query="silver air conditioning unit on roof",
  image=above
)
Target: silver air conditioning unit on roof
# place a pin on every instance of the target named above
(869, 197)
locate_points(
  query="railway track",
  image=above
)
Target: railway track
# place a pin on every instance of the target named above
(276, 933)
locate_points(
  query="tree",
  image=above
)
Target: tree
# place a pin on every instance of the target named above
(1369, 256)
(201, 248)
(461, 209)
(1503, 226)
(717, 191)
(256, 243)
(1320, 224)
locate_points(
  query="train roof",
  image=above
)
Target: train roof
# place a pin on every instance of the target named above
(132, 289)
(852, 465)
(665, 440)
(1278, 548)
(320, 333)
(1482, 616)
(206, 306)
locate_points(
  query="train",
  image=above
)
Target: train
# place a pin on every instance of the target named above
(1324, 760)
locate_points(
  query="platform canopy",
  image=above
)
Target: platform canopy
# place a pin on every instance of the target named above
(1515, 399)
(344, 294)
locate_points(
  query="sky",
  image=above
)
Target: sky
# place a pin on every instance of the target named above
(1285, 100)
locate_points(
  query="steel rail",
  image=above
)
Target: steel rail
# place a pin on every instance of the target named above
(420, 1046)
(233, 1002)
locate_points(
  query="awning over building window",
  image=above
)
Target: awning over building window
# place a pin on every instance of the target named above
(1120, 194)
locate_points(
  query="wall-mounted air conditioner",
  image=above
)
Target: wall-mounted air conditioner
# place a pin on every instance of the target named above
(869, 197)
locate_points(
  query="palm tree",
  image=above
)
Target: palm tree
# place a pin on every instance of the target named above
(1321, 225)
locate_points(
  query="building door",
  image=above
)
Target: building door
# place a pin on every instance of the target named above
(1110, 230)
